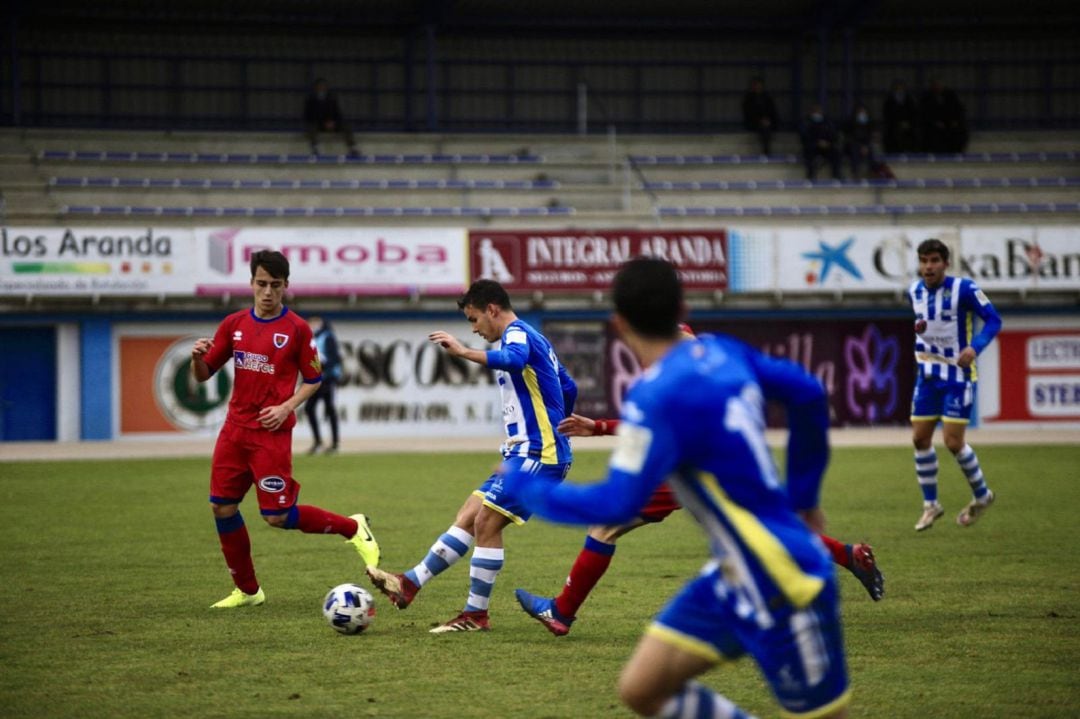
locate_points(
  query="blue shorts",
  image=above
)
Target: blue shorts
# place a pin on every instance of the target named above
(497, 498)
(801, 654)
(940, 399)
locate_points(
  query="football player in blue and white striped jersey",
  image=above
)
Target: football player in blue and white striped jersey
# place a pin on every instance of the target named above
(945, 349)
(768, 588)
(537, 393)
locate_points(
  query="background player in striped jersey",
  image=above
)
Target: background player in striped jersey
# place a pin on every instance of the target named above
(945, 351)
(558, 613)
(768, 589)
(537, 393)
(269, 345)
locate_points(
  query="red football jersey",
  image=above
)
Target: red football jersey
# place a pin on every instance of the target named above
(267, 355)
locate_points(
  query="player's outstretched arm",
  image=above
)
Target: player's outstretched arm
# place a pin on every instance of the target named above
(577, 426)
(455, 348)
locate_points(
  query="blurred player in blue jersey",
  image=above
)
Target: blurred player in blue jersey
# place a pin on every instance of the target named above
(558, 613)
(537, 393)
(945, 350)
(768, 589)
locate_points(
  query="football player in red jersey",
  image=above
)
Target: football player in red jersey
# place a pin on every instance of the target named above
(558, 613)
(269, 345)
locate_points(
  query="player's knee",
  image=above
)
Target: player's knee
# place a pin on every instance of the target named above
(637, 697)
(955, 444)
(606, 534)
(223, 511)
(486, 527)
(276, 520)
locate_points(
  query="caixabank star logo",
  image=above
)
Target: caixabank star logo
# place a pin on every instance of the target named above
(187, 404)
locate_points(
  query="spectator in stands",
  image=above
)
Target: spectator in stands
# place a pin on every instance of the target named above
(322, 113)
(860, 143)
(944, 119)
(900, 115)
(820, 140)
(759, 113)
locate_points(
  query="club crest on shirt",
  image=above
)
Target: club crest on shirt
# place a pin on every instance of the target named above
(280, 340)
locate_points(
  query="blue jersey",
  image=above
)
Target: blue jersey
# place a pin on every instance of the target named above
(944, 325)
(696, 418)
(537, 393)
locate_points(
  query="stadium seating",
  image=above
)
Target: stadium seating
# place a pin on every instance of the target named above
(52, 175)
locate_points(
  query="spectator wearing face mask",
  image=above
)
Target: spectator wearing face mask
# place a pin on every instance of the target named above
(820, 140)
(322, 113)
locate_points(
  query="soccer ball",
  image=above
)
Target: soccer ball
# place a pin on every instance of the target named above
(349, 608)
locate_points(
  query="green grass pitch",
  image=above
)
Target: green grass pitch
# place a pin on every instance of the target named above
(109, 568)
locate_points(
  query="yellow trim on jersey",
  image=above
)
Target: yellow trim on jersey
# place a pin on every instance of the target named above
(549, 454)
(837, 703)
(799, 587)
(496, 508)
(684, 642)
(970, 326)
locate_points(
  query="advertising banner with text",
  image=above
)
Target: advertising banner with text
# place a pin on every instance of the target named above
(876, 259)
(396, 383)
(866, 366)
(83, 261)
(338, 261)
(586, 260)
(1037, 376)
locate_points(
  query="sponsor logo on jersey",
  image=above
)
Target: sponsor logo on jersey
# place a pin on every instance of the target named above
(252, 361)
(272, 484)
(187, 404)
(237, 335)
(280, 340)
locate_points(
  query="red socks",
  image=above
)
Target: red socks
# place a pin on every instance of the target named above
(837, 549)
(590, 565)
(313, 520)
(236, 546)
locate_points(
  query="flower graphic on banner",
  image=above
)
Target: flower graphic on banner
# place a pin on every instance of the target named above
(829, 257)
(871, 374)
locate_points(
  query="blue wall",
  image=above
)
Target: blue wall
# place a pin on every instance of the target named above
(28, 383)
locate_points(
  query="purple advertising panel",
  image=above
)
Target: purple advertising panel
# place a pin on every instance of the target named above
(865, 365)
(586, 260)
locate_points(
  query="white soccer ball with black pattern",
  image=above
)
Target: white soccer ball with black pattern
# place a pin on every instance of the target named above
(349, 608)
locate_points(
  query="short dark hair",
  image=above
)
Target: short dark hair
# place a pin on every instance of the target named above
(483, 293)
(649, 296)
(275, 263)
(932, 245)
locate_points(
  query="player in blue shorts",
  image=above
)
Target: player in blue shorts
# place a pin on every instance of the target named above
(537, 393)
(768, 589)
(945, 351)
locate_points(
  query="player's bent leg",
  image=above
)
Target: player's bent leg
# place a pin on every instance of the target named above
(486, 562)
(657, 673)
(236, 547)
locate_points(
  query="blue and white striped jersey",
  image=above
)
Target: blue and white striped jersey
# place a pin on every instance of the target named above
(537, 393)
(944, 325)
(696, 419)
